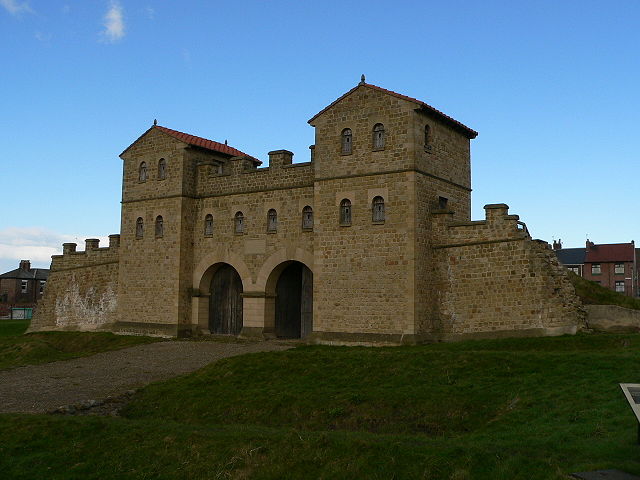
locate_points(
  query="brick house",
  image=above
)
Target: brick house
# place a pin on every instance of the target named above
(369, 241)
(612, 265)
(22, 287)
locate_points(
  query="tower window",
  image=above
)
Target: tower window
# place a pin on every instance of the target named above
(272, 221)
(307, 218)
(159, 227)
(345, 212)
(162, 169)
(346, 141)
(378, 136)
(427, 138)
(442, 203)
(142, 172)
(139, 227)
(208, 225)
(239, 223)
(377, 208)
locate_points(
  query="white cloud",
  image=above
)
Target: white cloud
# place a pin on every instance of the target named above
(35, 244)
(113, 23)
(150, 13)
(15, 8)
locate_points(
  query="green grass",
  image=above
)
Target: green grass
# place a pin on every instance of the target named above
(17, 349)
(495, 409)
(592, 293)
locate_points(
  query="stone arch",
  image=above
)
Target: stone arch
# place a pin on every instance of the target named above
(288, 270)
(203, 276)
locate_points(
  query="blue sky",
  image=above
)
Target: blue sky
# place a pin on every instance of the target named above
(551, 87)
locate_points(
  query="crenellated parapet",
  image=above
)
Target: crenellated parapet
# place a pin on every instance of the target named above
(242, 175)
(498, 225)
(92, 255)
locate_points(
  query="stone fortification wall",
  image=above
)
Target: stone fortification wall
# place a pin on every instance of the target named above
(81, 292)
(240, 176)
(495, 279)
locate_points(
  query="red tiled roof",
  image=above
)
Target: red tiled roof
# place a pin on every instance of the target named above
(451, 121)
(204, 143)
(611, 252)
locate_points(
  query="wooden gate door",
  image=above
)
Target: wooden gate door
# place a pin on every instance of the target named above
(225, 307)
(288, 295)
(306, 302)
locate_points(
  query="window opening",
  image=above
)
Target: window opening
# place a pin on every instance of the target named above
(378, 136)
(427, 138)
(208, 225)
(595, 269)
(24, 285)
(142, 173)
(139, 227)
(619, 268)
(159, 227)
(378, 209)
(272, 221)
(346, 141)
(345, 212)
(162, 169)
(239, 222)
(307, 218)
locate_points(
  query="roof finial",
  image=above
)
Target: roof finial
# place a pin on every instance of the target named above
(362, 79)
(225, 141)
(155, 122)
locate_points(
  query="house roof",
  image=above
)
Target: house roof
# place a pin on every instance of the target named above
(201, 142)
(610, 252)
(32, 274)
(424, 106)
(571, 256)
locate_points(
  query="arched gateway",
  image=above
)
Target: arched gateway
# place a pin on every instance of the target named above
(225, 301)
(294, 301)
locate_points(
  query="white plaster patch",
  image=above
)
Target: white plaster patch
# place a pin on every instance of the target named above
(85, 311)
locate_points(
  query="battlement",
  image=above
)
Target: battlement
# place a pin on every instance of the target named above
(498, 225)
(240, 175)
(92, 255)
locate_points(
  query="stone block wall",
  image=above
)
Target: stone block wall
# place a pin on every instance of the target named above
(494, 279)
(81, 292)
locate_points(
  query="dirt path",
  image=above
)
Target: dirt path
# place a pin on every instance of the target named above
(43, 388)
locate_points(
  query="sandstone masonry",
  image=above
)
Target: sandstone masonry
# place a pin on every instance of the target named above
(370, 242)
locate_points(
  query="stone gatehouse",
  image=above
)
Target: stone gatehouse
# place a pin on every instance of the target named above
(369, 242)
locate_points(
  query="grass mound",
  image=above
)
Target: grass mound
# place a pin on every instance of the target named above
(592, 293)
(535, 408)
(17, 349)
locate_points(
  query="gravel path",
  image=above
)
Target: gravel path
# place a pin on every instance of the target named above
(43, 388)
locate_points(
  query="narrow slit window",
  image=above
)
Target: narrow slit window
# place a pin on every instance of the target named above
(239, 222)
(139, 227)
(346, 141)
(427, 138)
(208, 225)
(272, 221)
(377, 208)
(162, 169)
(378, 136)
(307, 218)
(142, 172)
(159, 227)
(345, 212)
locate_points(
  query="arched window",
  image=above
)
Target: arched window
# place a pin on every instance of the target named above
(139, 227)
(346, 141)
(307, 218)
(162, 169)
(377, 209)
(239, 222)
(427, 138)
(159, 227)
(272, 221)
(378, 136)
(142, 172)
(208, 225)
(345, 212)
